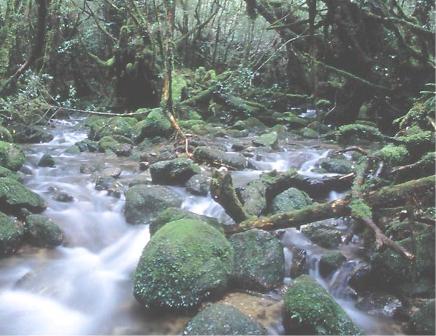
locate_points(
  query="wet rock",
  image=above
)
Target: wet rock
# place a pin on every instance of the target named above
(222, 319)
(108, 143)
(87, 146)
(61, 196)
(165, 154)
(176, 171)
(250, 123)
(300, 263)
(198, 185)
(270, 139)
(32, 134)
(360, 277)
(260, 260)
(380, 304)
(155, 124)
(146, 201)
(238, 147)
(5, 172)
(14, 196)
(309, 133)
(322, 234)
(87, 169)
(100, 127)
(114, 172)
(173, 214)
(140, 179)
(291, 120)
(11, 156)
(41, 231)
(422, 321)
(310, 309)
(330, 262)
(46, 161)
(289, 200)
(11, 235)
(336, 166)
(218, 157)
(73, 150)
(185, 262)
(109, 184)
(143, 166)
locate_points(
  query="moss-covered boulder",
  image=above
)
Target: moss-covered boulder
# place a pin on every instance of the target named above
(222, 319)
(259, 260)
(323, 234)
(31, 134)
(185, 262)
(216, 156)
(11, 156)
(173, 214)
(5, 135)
(330, 262)
(110, 144)
(291, 120)
(14, 196)
(100, 127)
(46, 161)
(336, 166)
(11, 235)
(270, 139)
(41, 231)
(176, 171)
(289, 200)
(5, 172)
(354, 133)
(198, 184)
(422, 321)
(155, 124)
(310, 309)
(87, 146)
(144, 202)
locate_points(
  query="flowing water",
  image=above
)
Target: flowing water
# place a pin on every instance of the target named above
(85, 286)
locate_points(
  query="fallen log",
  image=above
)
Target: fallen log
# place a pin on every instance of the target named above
(390, 196)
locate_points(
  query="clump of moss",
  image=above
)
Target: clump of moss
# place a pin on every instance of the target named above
(11, 235)
(185, 262)
(393, 155)
(310, 309)
(354, 132)
(11, 156)
(14, 196)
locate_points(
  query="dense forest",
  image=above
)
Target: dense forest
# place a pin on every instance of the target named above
(217, 167)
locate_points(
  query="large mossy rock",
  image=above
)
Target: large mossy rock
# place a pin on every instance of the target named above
(354, 133)
(185, 262)
(11, 235)
(100, 127)
(11, 156)
(155, 124)
(14, 196)
(289, 200)
(176, 171)
(43, 232)
(110, 144)
(173, 214)
(218, 157)
(145, 201)
(336, 166)
(222, 319)
(5, 172)
(270, 139)
(260, 262)
(310, 309)
(31, 134)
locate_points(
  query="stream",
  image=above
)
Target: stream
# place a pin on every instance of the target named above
(85, 286)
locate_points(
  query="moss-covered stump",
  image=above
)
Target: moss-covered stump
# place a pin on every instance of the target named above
(14, 196)
(176, 171)
(46, 161)
(259, 260)
(222, 319)
(310, 309)
(217, 157)
(422, 321)
(174, 214)
(100, 127)
(330, 262)
(43, 232)
(185, 262)
(11, 235)
(155, 124)
(144, 202)
(11, 156)
(289, 200)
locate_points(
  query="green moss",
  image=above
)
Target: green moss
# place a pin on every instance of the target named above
(5, 135)
(178, 83)
(311, 310)
(43, 232)
(354, 132)
(291, 120)
(176, 171)
(185, 262)
(337, 166)
(11, 156)
(108, 143)
(155, 124)
(418, 140)
(101, 127)
(269, 139)
(14, 196)
(393, 155)
(11, 235)
(289, 200)
(5, 172)
(360, 209)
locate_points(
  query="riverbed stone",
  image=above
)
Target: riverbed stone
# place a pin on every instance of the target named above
(330, 262)
(155, 124)
(260, 260)
(11, 156)
(198, 184)
(336, 166)
(41, 231)
(270, 139)
(87, 145)
(31, 134)
(11, 235)
(289, 200)
(173, 214)
(46, 161)
(144, 202)
(103, 126)
(215, 156)
(14, 196)
(185, 262)
(310, 309)
(323, 234)
(223, 319)
(176, 171)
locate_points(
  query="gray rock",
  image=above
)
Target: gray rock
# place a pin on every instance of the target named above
(198, 185)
